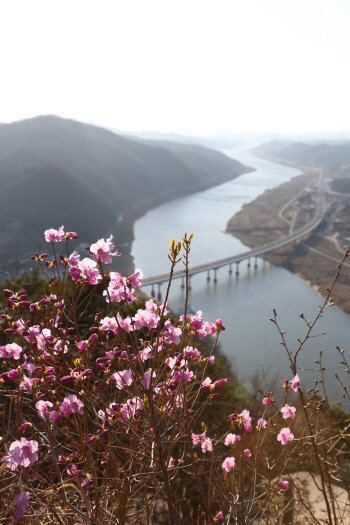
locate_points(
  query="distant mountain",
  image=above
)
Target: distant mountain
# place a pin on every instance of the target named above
(215, 142)
(332, 155)
(57, 171)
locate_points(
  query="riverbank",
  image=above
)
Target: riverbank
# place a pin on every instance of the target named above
(314, 258)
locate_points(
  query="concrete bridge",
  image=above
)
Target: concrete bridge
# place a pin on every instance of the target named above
(251, 254)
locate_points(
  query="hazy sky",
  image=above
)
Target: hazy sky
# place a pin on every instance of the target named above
(188, 66)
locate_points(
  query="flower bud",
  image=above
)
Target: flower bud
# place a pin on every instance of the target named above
(11, 304)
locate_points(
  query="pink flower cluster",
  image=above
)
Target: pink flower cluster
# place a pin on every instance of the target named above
(70, 405)
(86, 269)
(206, 443)
(102, 250)
(202, 328)
(21, 454)
(208, 383)
(121, 382)
(20, 506)
(10, 351)
(58, 235)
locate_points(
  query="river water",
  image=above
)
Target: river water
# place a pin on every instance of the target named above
(244, 302)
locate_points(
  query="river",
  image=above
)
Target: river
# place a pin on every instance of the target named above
(243, 302)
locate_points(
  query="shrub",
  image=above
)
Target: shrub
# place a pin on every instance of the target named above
(110, 417)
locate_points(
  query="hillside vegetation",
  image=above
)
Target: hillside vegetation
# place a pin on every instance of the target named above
(54, 170)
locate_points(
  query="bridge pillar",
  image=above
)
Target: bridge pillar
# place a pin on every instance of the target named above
(256, 262)
(159, 296)
(215, 279)
(153, 293)
(189, 283)
(237, 270)
(208, 276)
(182, 282)
(248, 262)
(230, 270)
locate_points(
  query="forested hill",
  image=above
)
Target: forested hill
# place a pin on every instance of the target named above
(331, 155)
(57, 171)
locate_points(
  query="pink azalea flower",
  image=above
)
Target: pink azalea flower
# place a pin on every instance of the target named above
(247, 420)
(43, 408)
(54, 416)
(74, 273)
(118, 288)
(19, 326)
(21, 453)
(10, 351)
(71, 405)
(210, 328)
(171, 334)
(83, 345)
(43, 338)
(221, 382)
(86, 482)
(54, 235)
(285, 435)
(102, 249)
(151, 305)
(228, 464)
(197, 321)
(27, 384)
(88, 271)
(29, 366)
(261, 424)
(247, 453)
(267, 401)
(123, 378)
(34, 331)
(131, 408)
(145, 318)
(74, 258)
(146, 382)
(219, 516)
(145, 353)
(288, 411)
(125, 324)
(294, 383)
(206, 383)
(206, 443)
(231, 439)
(195, 439)
(136, 277)
(24, 427)
(190, 352)
(171, 361)
(20, 505)
(12, 374)
(218, 323)
(109, 323)
(284, 485)
(172, 463)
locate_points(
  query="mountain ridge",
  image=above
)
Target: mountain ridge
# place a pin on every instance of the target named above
(97, 182)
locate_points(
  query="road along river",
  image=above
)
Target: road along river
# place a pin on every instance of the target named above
(244, 302)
